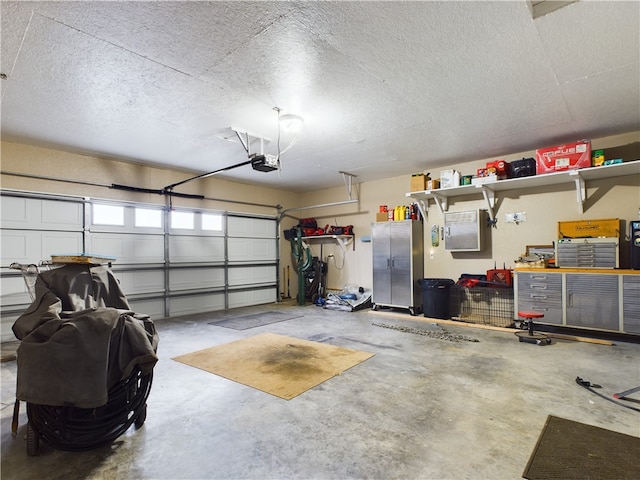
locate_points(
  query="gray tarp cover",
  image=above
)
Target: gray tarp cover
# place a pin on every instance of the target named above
(79, 337)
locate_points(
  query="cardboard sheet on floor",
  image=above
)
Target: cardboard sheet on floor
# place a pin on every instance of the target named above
(276, 364)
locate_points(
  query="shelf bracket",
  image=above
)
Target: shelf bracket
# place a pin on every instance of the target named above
(347, 178)
(581, 190)
(423, 206)
(342, 241)
(343, 244)
(441, 201)
(489, 197)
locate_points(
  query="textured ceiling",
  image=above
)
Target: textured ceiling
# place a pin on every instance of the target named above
(385, 88)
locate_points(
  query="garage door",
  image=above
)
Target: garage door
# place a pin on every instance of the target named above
(169, 262)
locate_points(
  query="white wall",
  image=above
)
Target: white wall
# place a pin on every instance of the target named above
(609, 198)
(612, 198)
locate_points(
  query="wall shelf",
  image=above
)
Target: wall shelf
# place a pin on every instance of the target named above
(488, 190)
(343, 241)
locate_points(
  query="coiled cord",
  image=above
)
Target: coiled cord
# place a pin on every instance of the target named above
(76, 429)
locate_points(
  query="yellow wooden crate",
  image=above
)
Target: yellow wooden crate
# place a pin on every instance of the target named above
(608, 227)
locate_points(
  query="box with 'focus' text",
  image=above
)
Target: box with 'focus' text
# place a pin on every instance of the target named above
(563, 157)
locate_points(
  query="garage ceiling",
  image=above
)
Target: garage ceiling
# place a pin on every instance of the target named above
(385, 88)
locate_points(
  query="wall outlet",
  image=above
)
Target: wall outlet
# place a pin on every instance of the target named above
(515, 217)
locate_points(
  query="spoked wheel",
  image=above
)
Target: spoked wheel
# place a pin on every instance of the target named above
(33, 441)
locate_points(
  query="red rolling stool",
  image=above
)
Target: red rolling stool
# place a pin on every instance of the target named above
(530, 336)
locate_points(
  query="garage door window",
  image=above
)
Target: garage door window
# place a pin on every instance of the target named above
(182, 220)
(146, 217)
(108, 214)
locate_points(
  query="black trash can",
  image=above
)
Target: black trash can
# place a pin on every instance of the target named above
(435, 297)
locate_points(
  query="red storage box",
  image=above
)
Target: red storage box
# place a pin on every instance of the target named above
(502, 276)
(563, 157)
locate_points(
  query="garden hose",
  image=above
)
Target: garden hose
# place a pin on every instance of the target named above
(301, 264)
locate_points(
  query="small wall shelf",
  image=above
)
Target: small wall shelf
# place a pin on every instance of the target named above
(343, 241)
(488, 190)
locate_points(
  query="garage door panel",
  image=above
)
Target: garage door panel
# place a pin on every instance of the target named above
(252, 249)
(196, 304)
(14, 212)
(251, 227)
(152, 307)
(196, 249)
(252, 275)
(247, 298)
(31, 246)
(128, 248)
(30, 213)
(148, 248)
(141, 281)
(14, 291)
(192, 278)
(54, 243)
(65, 215)
(16, 247)
(107, 244)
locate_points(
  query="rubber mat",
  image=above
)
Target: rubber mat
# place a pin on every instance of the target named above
(252, 321)
(573, 450)
(276, 364)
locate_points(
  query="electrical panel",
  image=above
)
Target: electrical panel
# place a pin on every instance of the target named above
(462, 231)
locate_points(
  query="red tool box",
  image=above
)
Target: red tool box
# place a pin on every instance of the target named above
(503, 276)
(563, 157)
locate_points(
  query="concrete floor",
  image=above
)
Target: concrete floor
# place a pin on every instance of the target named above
(421, 408)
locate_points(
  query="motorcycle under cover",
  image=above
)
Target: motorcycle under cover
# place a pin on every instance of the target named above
(79, 338)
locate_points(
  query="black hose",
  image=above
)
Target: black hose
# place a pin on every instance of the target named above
(76, 429)
(590, 386)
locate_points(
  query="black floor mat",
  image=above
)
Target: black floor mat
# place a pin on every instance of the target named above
(573, 450)
(255, 320)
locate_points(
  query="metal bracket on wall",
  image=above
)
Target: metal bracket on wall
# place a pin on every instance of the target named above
(348, 181)
(441, 201)
(581, 190)
(423, 206)
(343, 241)
(489, 197)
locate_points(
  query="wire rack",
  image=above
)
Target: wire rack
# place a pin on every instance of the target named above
(485, 305)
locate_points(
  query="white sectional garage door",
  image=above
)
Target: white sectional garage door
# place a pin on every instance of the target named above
(168, 262)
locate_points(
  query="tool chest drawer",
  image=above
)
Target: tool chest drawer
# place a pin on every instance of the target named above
(541, 292)
(631, 303)
(586, 254)
(605, 299)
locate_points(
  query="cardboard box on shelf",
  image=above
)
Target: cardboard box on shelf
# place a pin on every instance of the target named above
(499, 168)
(382, 217)
(418, 182)
(482, 180)
(563, 157)
(449, 178)
(433, 184)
